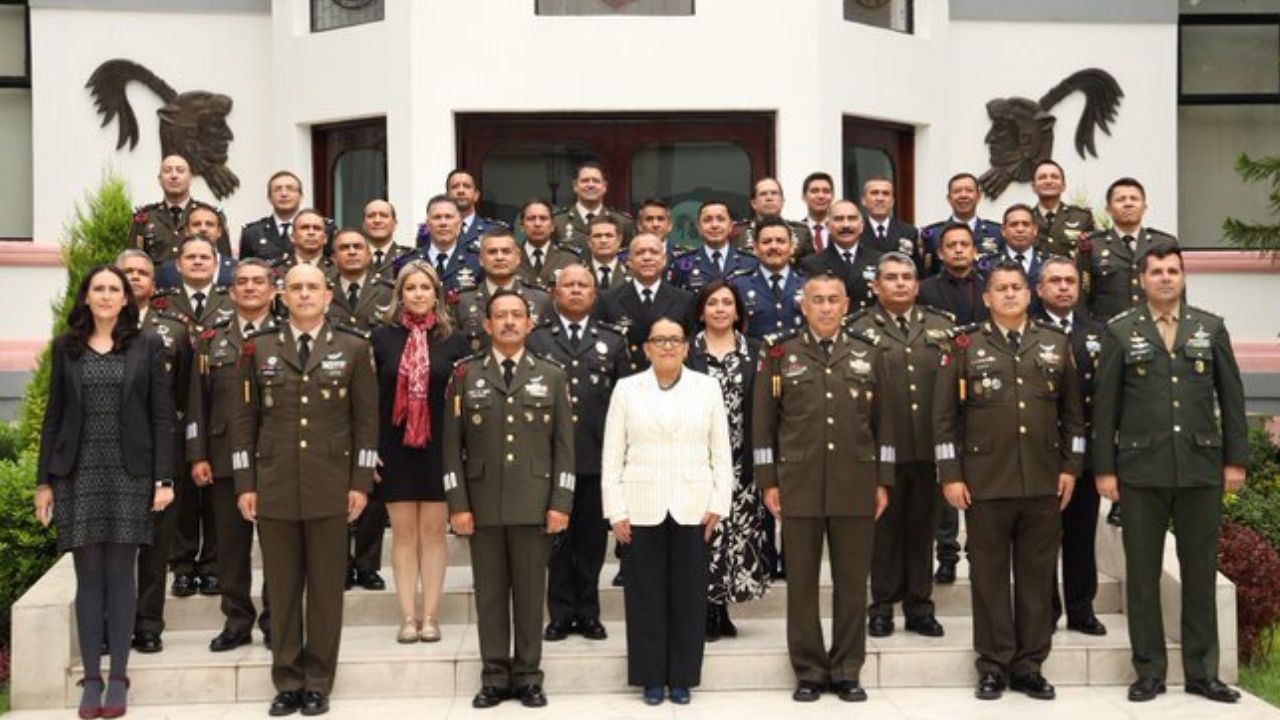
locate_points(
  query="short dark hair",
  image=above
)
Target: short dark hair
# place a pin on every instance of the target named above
(497, 231)
(710, 289)
(502, 293)
(963, 176)
(188, 239)
(1053, 260)
(537, 201)
(770, 178)
(590, 165)
(769, 221)
(895, 256)
(653, 202)
(437, 199)
(710, 202)
(284, 173)
(956, 226)
(1048, 161)
(814, 177)
(351, 231)
(252, 262)
(1017, 207)
(604, 219)
(374, 200)
(1007, 265)
(1160, 249)
(80, 321)
(460, 171)
(876, 178)
(1125, 182)
(309, 211)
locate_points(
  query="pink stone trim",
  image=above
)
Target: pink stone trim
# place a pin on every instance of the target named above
(17, 253)
(20, 354)
(1229, 261)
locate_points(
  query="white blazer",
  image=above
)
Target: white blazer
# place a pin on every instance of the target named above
(666, 452)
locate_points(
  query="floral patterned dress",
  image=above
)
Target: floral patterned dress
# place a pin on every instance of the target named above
(738, 570)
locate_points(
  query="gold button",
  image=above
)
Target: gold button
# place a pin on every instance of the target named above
(1175, 378)
(1177, 404)
(1022, 405)
(511, 418)
(911, 368)
(574, 381)
(510, 400)
(1022, 429)
(511, 438)
(828, 395)
(304, 400)
(1177, 428)
(303, 422)
(828, 371)
(831, 446)
(574, 363)
(915, 406)
(908, 351)
(1019, 381)
(302, 444)
(575, 418)
(511, 457)
(913, 387)
(831, 421)
(573, 399)
(306, 378)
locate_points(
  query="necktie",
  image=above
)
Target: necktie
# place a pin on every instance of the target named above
(604, 276)
(199, 306)
(826, 344)
(575, 335)
(248, 328)
(848, 258)
(902, 325)
(175, 212)
(775, 283)
(508, 371)
(880, 232)
(590, 217)
(1131, 242)
(1066, 325)
(353, 294)
(1048, 218)
(715, 258)
(378, 257)
(1014, 338)
(284, 229)
(537, 260)
(1022, 260)
(440, 260)
(817, 237)
(304, 348)
(1168, 328)
(648, 297)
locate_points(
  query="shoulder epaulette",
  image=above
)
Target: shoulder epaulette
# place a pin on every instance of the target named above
(174, 315)
(264, 330)
(959, 330)
(679, 253)
(166, 292)
(610, 327)
(221, 289)
(779, 338)
(546, 358)
(1202, 311)
(739, 273)
(1046, 325)
(385, 282)
(1124, 314)
(352, 330)
(858, 315)
(749, 252)
(870, 335)
(950, 316)
(623, 213)
(1161, 233)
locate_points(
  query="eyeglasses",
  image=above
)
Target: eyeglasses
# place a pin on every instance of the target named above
(666, 342)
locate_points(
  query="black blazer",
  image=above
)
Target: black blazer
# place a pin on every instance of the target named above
(622, 306)
(856, 283)
(697, 360)
(146, 413)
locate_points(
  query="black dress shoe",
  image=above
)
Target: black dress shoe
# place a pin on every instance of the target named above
(807, 692)
(880, 626)
(1113, 515)
(488, 697)
(285, 703)
(351, 578)
(209, 585)
(1087, 624)
(266, 639)
(591, 629)
(370, 580)
(1146, 688)
(990, 687)
(145, 641)
(228, 640)
(849, 691)
(557, 630)
(1214, 689)
(531, 696)
(946, 572)
(185, 584)
(727, 628)
(1033, 686)
(712, 633)
(314, 703)
(926, 625)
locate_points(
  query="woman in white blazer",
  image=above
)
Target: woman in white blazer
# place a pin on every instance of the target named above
(666, 480)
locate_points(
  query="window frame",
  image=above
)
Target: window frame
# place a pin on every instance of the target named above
(311, 12)
(911, 20)
(1225, 20)
(20, 81)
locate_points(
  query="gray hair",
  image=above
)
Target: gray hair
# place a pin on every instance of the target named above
(135, 253)
(894, 256)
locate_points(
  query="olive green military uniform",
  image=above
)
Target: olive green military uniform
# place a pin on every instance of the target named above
(1060, 231)
(508, 459)
(902, 564)
(1156, 425)
(218, 306)
(373, 302)
(157, 230)
(280, 268)
(822, 435)
(469, 312)
(384, 260)
(301, 438)
(153, 559)
(571, 227)
(1007, 423)
(216, 388)
(554, 259)
(1109, 271)
(744, 237)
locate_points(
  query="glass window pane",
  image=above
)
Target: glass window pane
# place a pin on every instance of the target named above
(358, 175)
(1202, 7)
(13, 41)
(1210, 138)
(888, 14)
(1218, 59)
(333, 14)
(862, 164)
(515, 173)
(615, 7)
(683, 174)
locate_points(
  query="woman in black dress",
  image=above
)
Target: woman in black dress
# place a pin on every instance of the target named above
(106, 463)
(739, 572)
(414, 355)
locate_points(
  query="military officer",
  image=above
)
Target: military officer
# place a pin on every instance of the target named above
(304, 445)
(1059, 225)
(379, 224)
(654, 217)
(1169, 437)
(1018, 244)
(1009, 443)
(766, 202)
(1059, 291)
(308, 235)
(361, 297)
(818, 192)
(461, 186)
(915, 341)
(268, 237)
(594, 355)
(717, 258)
(457, 263)
(171, 327)
(1109, 259)
(157, 228)
(883, 230)
(845, 256)
(772, 293)
(823, 455)
(197, 297)
(509, 481)
(963, 195)
(634, 307)
(215, 390)
(589, 189)
(499, 259)
(541, 259)
(604, 241)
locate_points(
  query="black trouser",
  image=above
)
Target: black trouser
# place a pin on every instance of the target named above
(948, 535)
(1013, 638)
(902, 560)
(366, 537)
(104, 588)
(1079, 563)
(195, 541)
(509, 565)
(668, 566)
(235, 548)
(152, 560)
(573, 578)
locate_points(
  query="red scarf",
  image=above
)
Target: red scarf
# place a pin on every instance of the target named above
(412, 380)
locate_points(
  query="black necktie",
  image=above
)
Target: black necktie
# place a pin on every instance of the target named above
(199, 307)
(537, 260)
(848, 258)
(648, 296)
(440, 260)
(304, 348)
(604, 276)
(284, 229)
(902, 325)
(1066, 325)
(575, 335)
(826, 344)
(508, 371)
(1048, 219)
(175, 212)
(248, 328)
(378, 256)
(1022, 260)
(1131, 242)
(353, 294)
(715, 258)
(590, 217)
(1014, 338)
(775, 283)
(880, 232)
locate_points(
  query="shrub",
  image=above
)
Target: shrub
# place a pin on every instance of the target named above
(1249, 561)
(27, 550)
(11, 441)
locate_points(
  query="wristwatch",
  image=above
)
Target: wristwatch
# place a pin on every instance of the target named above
(164, 484)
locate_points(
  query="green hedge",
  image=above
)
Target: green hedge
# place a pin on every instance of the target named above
(26, 549)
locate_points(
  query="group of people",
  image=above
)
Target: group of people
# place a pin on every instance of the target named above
(725, 411)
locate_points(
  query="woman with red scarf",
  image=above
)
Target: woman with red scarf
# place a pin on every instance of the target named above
(414, 355)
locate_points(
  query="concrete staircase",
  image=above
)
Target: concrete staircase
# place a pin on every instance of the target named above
(373, 665)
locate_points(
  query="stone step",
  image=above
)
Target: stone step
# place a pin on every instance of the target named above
(457, 605)
(373, 665)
